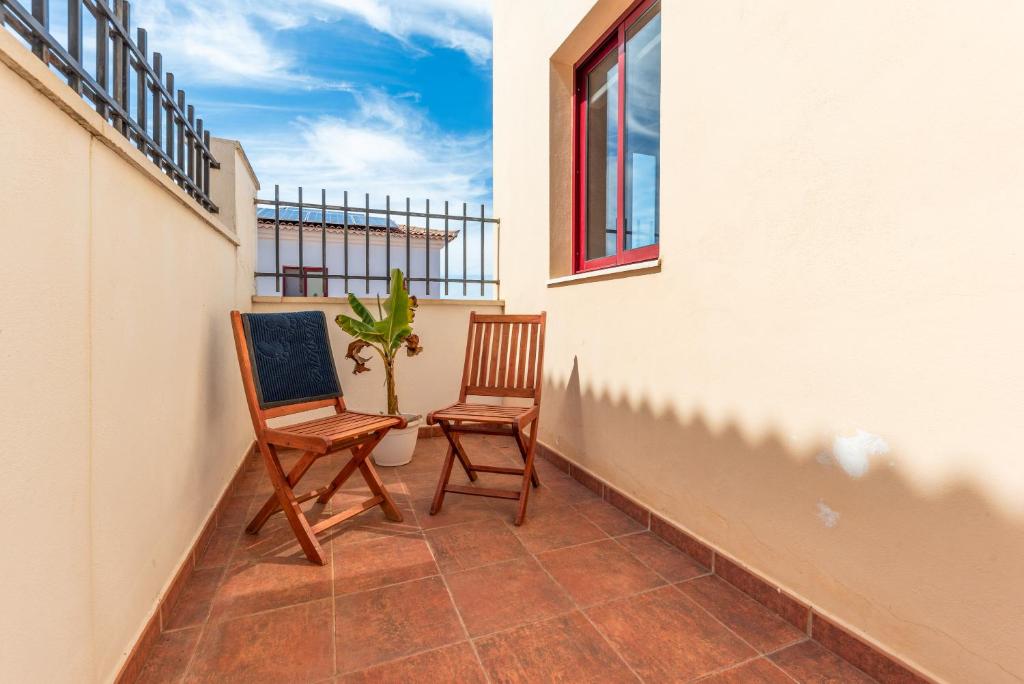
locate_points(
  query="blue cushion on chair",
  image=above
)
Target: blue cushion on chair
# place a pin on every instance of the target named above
(291, 357)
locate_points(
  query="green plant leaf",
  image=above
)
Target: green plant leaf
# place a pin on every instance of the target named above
(360, 310)
(360, 330)
(397, 324)
(385, 336)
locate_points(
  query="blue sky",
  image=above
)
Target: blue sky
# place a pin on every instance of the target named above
(378, 96)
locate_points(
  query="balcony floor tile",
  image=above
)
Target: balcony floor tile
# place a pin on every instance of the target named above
(461, 547)
(754, 623)
(598, 572)
(394, 622)
(505, 595)
(666, 637)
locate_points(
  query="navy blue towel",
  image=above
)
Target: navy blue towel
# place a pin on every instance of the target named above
(291, 357)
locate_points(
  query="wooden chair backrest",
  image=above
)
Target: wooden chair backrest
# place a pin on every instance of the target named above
(504, 356)
(259, 414)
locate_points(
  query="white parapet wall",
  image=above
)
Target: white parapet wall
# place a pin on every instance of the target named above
(122, 412)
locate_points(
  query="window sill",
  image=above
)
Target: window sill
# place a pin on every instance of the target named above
(639, 268)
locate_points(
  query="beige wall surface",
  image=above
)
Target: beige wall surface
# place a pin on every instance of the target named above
(426, 382)
(824, 377)
(123, 418)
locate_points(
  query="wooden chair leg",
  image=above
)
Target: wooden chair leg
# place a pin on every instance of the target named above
(341, 477)
(524, 493)
(460, 451)
(273, 505)
(523, 451)
(446, 473)
(373, 481)
(286, 497)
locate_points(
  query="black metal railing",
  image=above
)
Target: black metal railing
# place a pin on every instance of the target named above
(368, 242)
(136, 97)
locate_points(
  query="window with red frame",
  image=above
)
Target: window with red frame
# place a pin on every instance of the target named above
(617, 147)
(306, 282)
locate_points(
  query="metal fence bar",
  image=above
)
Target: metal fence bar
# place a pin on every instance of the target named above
(366, 226)
(426, 252)
(109, 87)
(190, 146)
(102, 38)
(169, 112)
(465, 249)
(208, 164)
(408, 247)
(345, 198)
(302, 269)
(75, 40)
(141, 98)
(116, 63)
(277, 238)
(376, 269)
(387, 239)
(483, 230)
(200, 168)
(180, 158)
(41, 13)
(158, 106)
(124, 15)
(323, 237)
(446, 247)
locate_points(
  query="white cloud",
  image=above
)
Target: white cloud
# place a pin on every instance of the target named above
(387, 146)
(233, 41)
(457, 24)
(224, 42)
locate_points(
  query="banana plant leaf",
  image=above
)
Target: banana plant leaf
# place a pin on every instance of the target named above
(395, 326)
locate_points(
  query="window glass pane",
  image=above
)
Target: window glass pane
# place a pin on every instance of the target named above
(314, 282)
(643, 129)
(602, 153)
(292, 284)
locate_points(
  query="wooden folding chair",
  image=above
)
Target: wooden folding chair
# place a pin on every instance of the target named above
(504, 358)
(287, 367)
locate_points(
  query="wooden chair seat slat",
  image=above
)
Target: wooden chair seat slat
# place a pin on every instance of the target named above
(483, 413)
(342, 426)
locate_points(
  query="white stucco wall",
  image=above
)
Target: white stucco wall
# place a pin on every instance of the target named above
(841, 251)
(122, 412)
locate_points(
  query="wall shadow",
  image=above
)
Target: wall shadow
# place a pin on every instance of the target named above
(933, 578)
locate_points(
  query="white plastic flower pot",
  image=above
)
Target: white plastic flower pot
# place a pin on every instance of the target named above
(397, 446)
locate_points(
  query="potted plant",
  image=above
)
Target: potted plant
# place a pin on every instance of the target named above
(386, 335)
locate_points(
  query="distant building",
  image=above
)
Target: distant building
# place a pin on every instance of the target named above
(410, 248)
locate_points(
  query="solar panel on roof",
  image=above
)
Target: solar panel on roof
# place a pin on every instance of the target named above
(334, 217)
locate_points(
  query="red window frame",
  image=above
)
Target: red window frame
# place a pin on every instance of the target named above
(303, 277)
(613, 39)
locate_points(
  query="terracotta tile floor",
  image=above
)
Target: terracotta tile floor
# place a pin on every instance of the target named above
(580, 593)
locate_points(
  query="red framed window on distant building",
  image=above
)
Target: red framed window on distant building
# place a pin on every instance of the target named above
(617, 144)
(307, 282)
